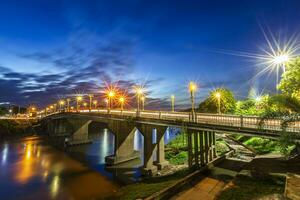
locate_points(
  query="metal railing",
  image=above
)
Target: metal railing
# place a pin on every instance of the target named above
(206, 118)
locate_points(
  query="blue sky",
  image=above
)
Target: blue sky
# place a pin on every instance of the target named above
(54, 49)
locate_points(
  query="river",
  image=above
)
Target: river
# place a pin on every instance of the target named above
(31, 169)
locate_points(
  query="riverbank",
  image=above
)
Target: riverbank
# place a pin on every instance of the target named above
(14, 129)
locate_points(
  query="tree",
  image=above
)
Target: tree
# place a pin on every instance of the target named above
(227, 102)
(290, 82)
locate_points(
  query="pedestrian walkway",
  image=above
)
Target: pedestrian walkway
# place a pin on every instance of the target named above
(292, 188)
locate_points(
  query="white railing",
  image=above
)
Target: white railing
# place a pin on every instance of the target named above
(206, 118)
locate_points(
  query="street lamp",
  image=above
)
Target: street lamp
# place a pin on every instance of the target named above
(107, 103)
(110, 96)
(68, 104)
(173, 103)
(61, 104)
(143, 102)
(122, 100)
(218, 96)
(192, 90)
(85, 105)
(91, 99)
(139, 92)
(78, 99)
(95, 102)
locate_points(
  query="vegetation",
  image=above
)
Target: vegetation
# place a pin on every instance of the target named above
(245, 188)
(227, 102)
(148, 186)
(290, 82)
(263, 146)
(11, 128)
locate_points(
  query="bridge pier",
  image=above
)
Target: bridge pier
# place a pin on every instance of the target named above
(151, 147)
(124, 143)
(201, 147)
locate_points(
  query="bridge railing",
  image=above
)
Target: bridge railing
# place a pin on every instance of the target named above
(207, 118)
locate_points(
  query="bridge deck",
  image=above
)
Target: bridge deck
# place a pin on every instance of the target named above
(224, 123)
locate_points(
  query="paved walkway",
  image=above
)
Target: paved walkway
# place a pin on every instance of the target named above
(292, 188)
(206, 189)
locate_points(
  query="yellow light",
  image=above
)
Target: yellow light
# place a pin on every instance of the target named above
(33, 108)
(281, 59)
(122, 99)
(62, 102)
(72, 107)
(106, 100)
(192, 86)
(258, 99)
(172, 96)
(218, 95)
(111, 94)
(139, 90)
(95, 102)
(79, 98)
(51, 107)
(84, 104)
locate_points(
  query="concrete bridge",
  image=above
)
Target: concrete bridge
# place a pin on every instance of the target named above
(201, 129)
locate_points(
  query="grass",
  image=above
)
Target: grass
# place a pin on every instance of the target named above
(260, 145)
(246, 188)
(221, 147)
(147, 187)
(176, 157)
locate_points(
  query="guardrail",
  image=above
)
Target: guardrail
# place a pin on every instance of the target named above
(218, 119)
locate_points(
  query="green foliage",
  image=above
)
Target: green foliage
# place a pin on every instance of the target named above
(221, 147)
(284, 104)
(252, 107)
(227, 102)
(3, 111)
(263, 146)
(290, 82)
(177, 158)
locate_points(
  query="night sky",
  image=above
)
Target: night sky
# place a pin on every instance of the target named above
(55, 49)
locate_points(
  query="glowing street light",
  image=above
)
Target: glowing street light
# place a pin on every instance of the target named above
(68, 104)
(218, 96)
(78, 100)
(61, 104)
(192, 90)
(95, 102)
(110, 95)
(281, 59)
(91, 99)
(173, 102)
(85, 105)
(122, 101)
(139, 92)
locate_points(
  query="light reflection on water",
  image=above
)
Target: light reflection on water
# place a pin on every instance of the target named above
(32, 170)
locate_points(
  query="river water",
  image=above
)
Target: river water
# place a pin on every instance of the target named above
(31, 169)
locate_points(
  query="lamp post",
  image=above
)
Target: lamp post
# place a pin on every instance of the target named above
(95, 102)
(85, 105)
(173, 103)
(139, 92)
(110, 95)
(61, 104)
(192, 90)
(107, 104)
(218, 96)
(122, 100)
(78, 100)
(143, 102)
(91, 99)
(68, 104)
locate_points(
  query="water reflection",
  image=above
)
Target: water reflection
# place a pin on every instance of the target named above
(32, 170)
